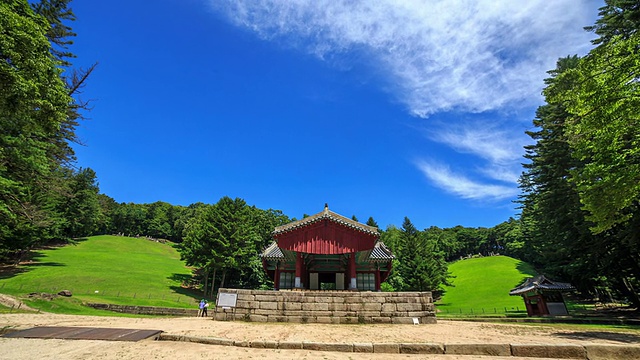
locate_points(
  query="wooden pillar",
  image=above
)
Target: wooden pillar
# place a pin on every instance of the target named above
(352, 271)
(298, 283)
(527, 304)
(276, 277)
(304, 278)
(543, 302)
(377, 277)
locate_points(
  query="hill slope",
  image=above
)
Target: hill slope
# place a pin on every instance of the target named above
(484, 283)
(107, 269)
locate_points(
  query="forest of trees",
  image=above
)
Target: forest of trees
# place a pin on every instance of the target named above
(43, 197)
(581, 186)
(580, 200)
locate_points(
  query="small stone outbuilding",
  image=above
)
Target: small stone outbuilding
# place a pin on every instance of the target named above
(543, 296)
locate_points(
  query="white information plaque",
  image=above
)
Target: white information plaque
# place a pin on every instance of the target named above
(227, 300)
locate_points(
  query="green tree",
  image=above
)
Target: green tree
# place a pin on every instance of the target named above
(617, 18)
(603, 101)
(421, 263)
(372, 222)
(105, 220)
(554, 224)
(392, 238)
(158, 223)
(181, 217)
(447, 242)
(81, 207)
(604, 130)
(34, 103)
(557, 223)
(511, 239)
(224, 241)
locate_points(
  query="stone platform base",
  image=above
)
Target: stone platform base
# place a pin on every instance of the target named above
(329, 307)
(557, 351)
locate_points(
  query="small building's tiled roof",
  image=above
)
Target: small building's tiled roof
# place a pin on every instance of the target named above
(326, 214)
(272, 252)
(540, 282)
(381, 252)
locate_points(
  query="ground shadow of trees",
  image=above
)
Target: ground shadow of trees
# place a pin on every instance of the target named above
(8, 271)
(600, 335)
(187, 286)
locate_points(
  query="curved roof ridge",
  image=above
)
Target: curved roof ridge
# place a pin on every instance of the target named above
(381, 252)
(326, 214)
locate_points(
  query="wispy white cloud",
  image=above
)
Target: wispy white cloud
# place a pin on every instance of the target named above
(483, 140)
(438, 55)
(499, 148)
(460, 185)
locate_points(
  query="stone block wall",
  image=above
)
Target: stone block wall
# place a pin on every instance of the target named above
(145, 310)
(330, 307)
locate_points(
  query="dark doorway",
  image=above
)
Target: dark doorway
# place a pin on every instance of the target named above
(327, 281)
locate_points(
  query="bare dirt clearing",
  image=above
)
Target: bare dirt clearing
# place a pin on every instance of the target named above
(449, 332)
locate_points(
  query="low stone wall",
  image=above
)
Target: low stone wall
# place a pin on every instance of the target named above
(557, 351)
(329, 307)
(145, 310)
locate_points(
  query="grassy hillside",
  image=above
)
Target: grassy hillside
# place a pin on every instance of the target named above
(481, 285)
(106, 269)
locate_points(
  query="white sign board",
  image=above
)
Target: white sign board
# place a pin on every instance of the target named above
(227, 300)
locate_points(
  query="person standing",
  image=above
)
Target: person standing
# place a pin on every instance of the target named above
(202, 310)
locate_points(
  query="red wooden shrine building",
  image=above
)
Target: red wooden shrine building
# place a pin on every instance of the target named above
(327, 251)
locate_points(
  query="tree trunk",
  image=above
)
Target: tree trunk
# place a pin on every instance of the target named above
(633, 295)
(206, 281)
(213, 282)
(224, 274)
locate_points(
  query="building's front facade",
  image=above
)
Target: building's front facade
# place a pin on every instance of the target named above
(327, 251)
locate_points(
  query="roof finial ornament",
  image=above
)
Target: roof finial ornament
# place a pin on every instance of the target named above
(326, 207)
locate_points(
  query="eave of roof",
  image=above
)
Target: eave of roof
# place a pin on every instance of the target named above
(380, 253)
(326, 214)
(542, 283)
(272, 252)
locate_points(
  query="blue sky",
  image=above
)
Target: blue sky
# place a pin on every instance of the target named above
(385, 109)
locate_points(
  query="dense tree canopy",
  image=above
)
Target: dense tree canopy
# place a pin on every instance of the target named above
(40, 193)
(617, 18)
(581, 189)
(604, 129)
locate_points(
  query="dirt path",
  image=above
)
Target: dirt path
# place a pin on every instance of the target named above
(449, 332)
(10, 301)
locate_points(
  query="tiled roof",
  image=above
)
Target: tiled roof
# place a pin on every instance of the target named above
(326, 214)
(272, 252)
(540, 282)
(381, 252)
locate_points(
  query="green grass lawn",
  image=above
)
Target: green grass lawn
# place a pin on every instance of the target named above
(103, 269)
(481, 287)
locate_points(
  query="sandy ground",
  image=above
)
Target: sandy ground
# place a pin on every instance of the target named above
(449, 332)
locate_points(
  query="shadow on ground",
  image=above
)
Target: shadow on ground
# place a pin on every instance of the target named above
(31, 258)
(184, 289)
(600, 335)
(9, 271)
